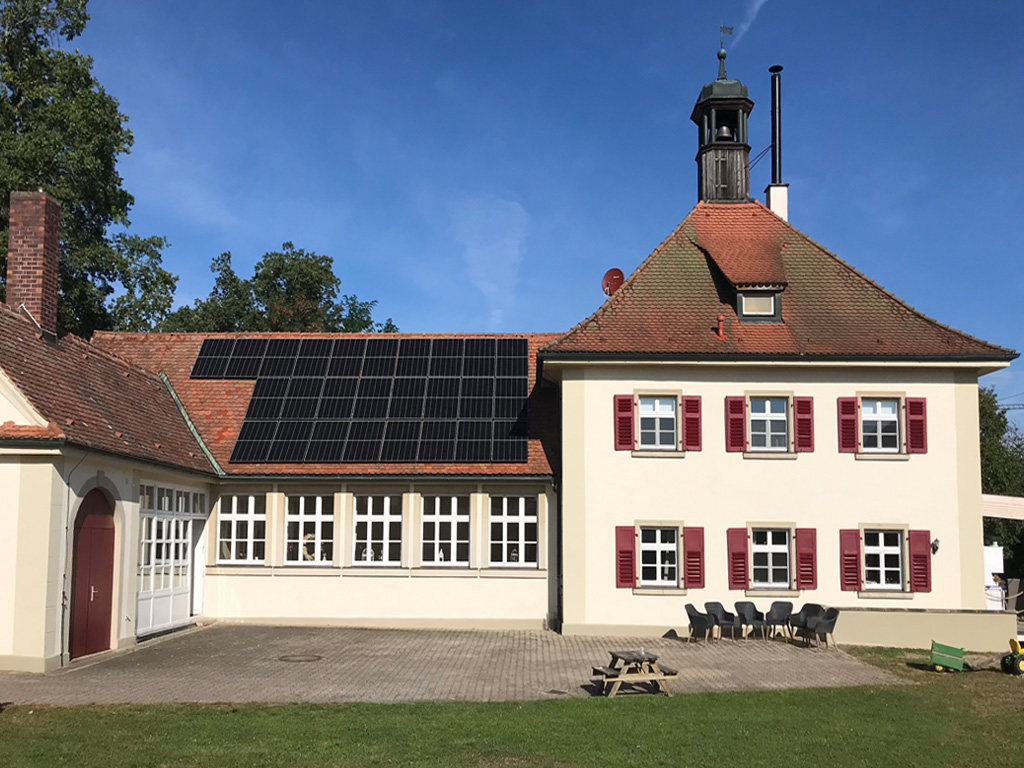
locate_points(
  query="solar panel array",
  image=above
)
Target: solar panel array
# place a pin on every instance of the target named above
(373, 400)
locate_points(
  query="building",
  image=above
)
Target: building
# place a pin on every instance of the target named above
(746, 417)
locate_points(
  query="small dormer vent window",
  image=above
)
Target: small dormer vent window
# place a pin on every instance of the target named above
(759, 306)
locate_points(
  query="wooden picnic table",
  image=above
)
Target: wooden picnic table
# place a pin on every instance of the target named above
(632, 667)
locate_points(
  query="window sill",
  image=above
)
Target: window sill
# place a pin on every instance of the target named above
(881, 456)
(768, 592)
(652, 591)
(496, 572)
(648, 454)
(777, 455)
(220, 569)
(384, 571)
(443, 572)
(884, 594)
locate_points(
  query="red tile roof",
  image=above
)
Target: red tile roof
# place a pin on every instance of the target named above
(669, 306)
(217, 407)
(93, 398)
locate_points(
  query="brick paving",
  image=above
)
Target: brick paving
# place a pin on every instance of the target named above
(242, 663)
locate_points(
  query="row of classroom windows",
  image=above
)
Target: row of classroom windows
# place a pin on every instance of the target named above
(378, 530)
(671, 557)
(770, 423)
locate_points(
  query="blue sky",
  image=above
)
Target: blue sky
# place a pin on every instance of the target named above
(478, 166)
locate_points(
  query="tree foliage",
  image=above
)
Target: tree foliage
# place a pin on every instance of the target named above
(62, 133)
(1002, 473)
(290, 290)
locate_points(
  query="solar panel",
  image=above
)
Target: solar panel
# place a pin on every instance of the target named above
(377, 399)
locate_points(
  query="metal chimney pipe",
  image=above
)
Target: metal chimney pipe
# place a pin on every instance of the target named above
(776, 123)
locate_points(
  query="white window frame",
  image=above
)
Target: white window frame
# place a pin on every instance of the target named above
(240, 508)
(879, 419)
(881, 549)
(663, 550)
(759, 294)
(368, 510)
(769, 417)
(445, 511)
(771, 549)
(516, 513)
(311, 546)
(664, 410)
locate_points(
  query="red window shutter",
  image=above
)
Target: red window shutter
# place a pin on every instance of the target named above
(625, 556)
(917, 425)
(803, 426)
(693, 558)
(919, 545)
(806, 558)
(848, 432)
(624, 422)
(735, 424)
(849, 560)
(691, 423)
(738, 575)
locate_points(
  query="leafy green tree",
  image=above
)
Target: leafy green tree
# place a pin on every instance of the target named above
(61, 132)
(1002, 473)
(290, 290)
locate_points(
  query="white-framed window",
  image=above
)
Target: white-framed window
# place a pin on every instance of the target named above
(309, 529)
(769, 424)
(757, 304)
(880, 425)
(514, 531)
(770, 551)
(445, 530)
(242, 534)
(658, 423)
(659, 557)
(883, 559)
(378, 534)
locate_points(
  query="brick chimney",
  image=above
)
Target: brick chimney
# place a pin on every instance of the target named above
(33, 251)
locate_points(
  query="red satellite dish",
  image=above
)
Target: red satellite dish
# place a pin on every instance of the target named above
(612, 280)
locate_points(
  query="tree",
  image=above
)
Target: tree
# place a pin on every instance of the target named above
(62, 133)
(290, 290)
(1002, 473)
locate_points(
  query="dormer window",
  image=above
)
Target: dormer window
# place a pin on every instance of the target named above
(759, 306)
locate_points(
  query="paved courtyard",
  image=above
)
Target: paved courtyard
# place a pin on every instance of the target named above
(240, 663)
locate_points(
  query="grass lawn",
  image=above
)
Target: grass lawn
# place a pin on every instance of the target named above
(969, 719)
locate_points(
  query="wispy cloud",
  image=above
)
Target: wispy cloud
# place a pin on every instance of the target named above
(753, 8)
(492, 232)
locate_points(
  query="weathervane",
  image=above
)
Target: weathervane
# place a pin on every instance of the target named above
(723, 31)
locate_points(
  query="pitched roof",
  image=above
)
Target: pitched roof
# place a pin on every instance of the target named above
(92, 398)
(670, 304)
(217, 407)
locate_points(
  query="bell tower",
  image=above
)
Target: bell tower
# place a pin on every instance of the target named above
(722, 151)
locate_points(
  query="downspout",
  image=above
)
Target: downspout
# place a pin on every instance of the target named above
(191, 426)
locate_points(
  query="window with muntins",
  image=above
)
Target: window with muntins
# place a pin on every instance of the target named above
(309, 530)
(659, 557)
(883, 560)
(769, 424)
(514, 531)
(445, 530)
(770, 549)
(378, 535)
(880, 425)
(242, 534)
(658, 423)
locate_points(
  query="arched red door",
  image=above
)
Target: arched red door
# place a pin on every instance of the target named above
(93, 582)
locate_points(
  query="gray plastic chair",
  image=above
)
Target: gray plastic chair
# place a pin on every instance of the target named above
(701, 623)
(778, 616)
(723, 619)
(823, 625)
(751, 617)
(798, 621)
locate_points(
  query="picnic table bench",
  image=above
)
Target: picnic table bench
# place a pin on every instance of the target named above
(632, 667)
